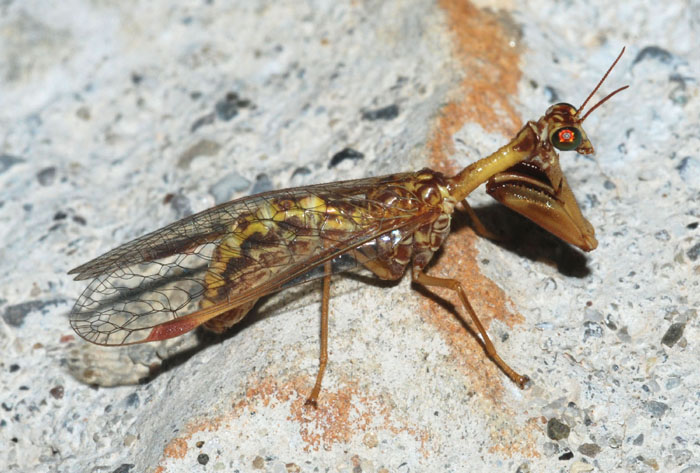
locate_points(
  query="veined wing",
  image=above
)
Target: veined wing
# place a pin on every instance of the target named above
(211, 224)
(193, 270)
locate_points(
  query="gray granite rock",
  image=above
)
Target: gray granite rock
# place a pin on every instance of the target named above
(119, 117)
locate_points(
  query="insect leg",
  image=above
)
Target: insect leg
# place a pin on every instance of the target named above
(420, 277)
(323, 359)
(478, 225)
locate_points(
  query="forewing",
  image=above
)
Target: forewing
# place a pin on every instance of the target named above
(232, 254)
(208, 226)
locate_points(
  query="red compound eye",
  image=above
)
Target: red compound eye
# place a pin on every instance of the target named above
(566, 139)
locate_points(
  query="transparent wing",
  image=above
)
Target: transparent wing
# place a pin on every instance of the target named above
(211, 224)
(186, 273)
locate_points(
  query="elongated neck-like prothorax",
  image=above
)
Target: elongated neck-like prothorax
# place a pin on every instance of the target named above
(519, 148)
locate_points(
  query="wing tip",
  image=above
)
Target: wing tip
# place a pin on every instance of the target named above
(79, 274)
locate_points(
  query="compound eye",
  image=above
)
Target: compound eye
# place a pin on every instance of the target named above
(566, 138)
(568, 106)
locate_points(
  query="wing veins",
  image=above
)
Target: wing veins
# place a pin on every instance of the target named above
(276, 283)
(211, 224)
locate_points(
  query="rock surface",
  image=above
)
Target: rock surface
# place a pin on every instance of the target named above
(119, 117)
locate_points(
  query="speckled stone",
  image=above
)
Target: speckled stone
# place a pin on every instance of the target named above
(589, 449)
(118, 118)
(557, 430)
(673, 334)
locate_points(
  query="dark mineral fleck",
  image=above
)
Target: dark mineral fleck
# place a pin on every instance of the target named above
(346, 153)
(589, 449)
(228, 107)
(14, 315)
(551, 94)
(124, 468)
(7, 161)
(557, 430)
(301, 171)
(262, 184)
(46, 176)
(384, 113)
(523, 468)
(653, 52)
(207, 119)
(132, 400)
(673, 334)
(57, 392)
(694, 252)
(593, 330)
(656, 408)
(567, 455)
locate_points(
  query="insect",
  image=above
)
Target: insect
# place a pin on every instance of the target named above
(212, 267)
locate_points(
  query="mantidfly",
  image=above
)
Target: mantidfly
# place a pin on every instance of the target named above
(211, 268)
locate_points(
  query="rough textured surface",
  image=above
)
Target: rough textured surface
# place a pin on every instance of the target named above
(119, 117)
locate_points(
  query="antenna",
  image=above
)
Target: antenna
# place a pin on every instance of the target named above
(580, 109)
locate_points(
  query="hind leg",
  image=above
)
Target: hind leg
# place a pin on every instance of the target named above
(323, 359)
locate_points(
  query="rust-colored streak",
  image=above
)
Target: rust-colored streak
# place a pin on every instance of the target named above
(340, 416)
(483, 48)
(176, 448)
(331, 422)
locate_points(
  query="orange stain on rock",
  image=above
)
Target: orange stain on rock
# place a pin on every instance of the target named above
(482, 47)
(522, 439)
(340, 415)
(176, 448)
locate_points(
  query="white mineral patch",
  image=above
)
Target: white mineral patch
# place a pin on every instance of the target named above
(117, 118)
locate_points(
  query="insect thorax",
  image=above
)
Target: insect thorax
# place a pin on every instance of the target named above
(426, 191)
